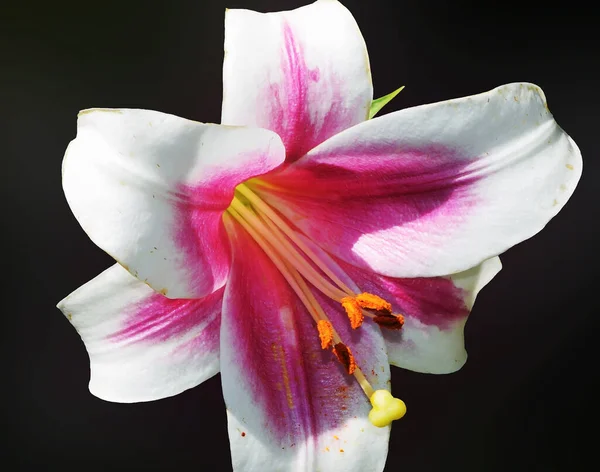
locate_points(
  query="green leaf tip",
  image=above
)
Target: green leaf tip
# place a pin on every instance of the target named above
(378, 104)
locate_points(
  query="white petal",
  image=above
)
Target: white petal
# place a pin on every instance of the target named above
(142, 345)
(150, 189)
(302, 73)
(436, 189)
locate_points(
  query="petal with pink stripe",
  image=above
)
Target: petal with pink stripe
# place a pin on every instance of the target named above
(142, 345)
(289, 403)
(150, 189)
(302, 73)
(435, 311)
(436, 189)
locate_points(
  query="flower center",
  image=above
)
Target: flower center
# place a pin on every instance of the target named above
(300, 265)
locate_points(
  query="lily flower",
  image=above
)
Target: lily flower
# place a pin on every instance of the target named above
(301, 247)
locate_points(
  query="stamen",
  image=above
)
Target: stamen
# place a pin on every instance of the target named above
(271, 233)
(290, 233)
(276, 239)
(299, 286)
(358, 374)
(355, 314)
(325, 333)
(373, 302)
(344, 355)
(394, 322)
(277, 261)
(303, 266)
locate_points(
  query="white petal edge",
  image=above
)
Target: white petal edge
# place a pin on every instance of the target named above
(429, 349)
(142, 367)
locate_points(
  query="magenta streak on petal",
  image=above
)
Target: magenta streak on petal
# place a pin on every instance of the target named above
(374, 170)
(202, 237)
(314, 74)
(199, 229)
(295, 103)
(300, 388)
(335, 199)
(262, 315)
(431, 300)
(158, 318)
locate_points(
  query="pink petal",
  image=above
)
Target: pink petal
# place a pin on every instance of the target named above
(289, 403)
(150, 189)
(142, 345)
(302, 73)
(436, 189)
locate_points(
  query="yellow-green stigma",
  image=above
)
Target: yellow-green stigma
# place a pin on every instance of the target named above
(386, 408)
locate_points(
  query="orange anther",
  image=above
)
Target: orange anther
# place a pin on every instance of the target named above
(344, 355)
(394, 322)
(353, 311)
(373, 302)
(325, 333)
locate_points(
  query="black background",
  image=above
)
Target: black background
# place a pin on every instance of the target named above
(527, 396)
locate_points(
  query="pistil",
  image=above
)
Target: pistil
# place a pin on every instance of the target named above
(288, 252)
(299, 286)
